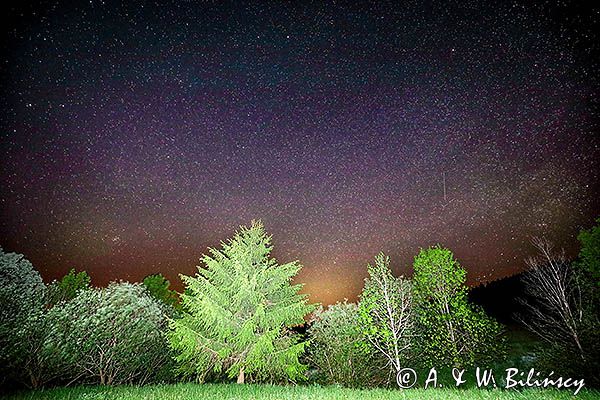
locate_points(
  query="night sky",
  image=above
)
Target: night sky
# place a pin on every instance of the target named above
(134, 136)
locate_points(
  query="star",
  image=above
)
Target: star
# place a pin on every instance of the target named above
(346, 130)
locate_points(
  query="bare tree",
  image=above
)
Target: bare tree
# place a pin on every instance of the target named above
(555, 307)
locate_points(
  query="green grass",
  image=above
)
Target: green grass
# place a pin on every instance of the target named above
(233, 391)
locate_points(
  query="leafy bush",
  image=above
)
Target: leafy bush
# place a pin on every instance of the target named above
(23, 356)
(452, 331)
(336, 349)
(112, 335)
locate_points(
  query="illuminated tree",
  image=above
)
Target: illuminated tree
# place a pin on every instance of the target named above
(237, 311)
(555, 312)
(21, 317)
(451, 330)
(562, 305)
(562, 308)
(385, 313)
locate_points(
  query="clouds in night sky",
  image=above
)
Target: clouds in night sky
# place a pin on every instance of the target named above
(134, 136)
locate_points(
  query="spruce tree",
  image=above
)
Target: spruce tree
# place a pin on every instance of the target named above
(237, 311)
(158, 286)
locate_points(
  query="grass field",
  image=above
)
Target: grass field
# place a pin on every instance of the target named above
(233, 391)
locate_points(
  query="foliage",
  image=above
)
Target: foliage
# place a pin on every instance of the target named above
(385, 313)
(335, 349)
(111, 335)
(158, 286)
(452, 331)
(43, 363)
(237, 310)
(587, 273)
(589, 255)
(21, 319)
(68, 287)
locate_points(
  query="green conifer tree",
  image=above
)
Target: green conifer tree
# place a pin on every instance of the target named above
(237, 311)
(158, 286)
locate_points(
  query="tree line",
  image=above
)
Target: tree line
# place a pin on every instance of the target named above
(240, 315)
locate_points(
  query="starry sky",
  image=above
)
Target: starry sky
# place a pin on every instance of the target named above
(134, 135)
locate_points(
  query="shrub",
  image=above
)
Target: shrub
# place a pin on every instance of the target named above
(336, 349)
(23, 356)
(112, 335)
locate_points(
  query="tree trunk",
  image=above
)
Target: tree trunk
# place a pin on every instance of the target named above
(240, 378)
